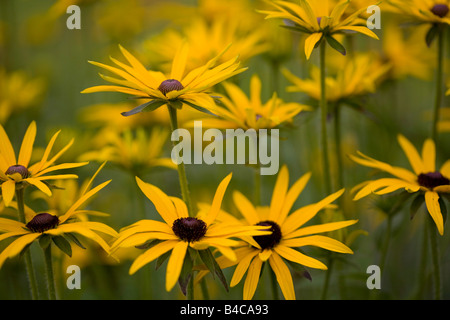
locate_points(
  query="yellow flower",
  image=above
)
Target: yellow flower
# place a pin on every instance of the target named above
(131, 150)
(444, 123)
(177, 88)
(352, 77)
(424, 179)
(240, 111)
(320, 19)
(428, 11)
(16, 173)
(288, 234)
(178, 232)
(46, 227)
(18, 92)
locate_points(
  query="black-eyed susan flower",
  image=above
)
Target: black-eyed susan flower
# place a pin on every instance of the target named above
(17, 173)
(424, 11)
(424, 179)
(241, 111)
(61, 228)
(289, 234)
(176, 88)
(320, 20)
(179, 231)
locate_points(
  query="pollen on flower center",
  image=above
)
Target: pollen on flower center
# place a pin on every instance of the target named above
(271, 240)
(17, 168)
(189, 229)
(440, 10)
(170, 85)
(43, 222)
(432, 179)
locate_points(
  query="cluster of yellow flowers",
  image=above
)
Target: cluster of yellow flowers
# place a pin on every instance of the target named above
(223, 65)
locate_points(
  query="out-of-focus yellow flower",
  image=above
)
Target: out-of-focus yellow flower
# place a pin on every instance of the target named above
(132, 150)
(217, 35)
(15, 173)
(175, 88)
(424, 179)
(444, 123)
(428, 11)
(18, 92)
(321, 19)
(352, 77)
(408, 55)
(242, 111)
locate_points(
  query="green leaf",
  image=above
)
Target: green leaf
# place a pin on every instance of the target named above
(45, 240)
(161, 259)
(296, 28)
(336, 45)
(431, 34)
(147, 107)
(177, 104)
(186, 273)
(63, 245)
(416, 204)
(211, 263)
(148, 244)
(201, 109)
(75, 240)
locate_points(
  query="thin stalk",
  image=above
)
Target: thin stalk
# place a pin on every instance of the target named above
(324, 115)
(435, 260)
(327, 278)
(439, 84)
(181, 168)
(49, 270)
(27, 255)
(338, 146)
(257, 186)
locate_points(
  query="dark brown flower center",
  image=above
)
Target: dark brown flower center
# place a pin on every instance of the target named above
(43, 222)
(170, 85)
(271, 240)
(440, 10)
(189, 229)
(17, 168)
(432, 179)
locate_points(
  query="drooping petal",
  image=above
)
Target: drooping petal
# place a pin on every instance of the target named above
(17, 246)
(283, 275)
(320, 228)
(8, 190)
(151, 254)
(311, 42)
(298, 257)
(251, 282)
(318, 241)
(242, 267)
(175, 264)
(432, 203)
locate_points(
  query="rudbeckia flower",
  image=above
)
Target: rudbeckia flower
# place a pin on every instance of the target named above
(289, 233)
(425, 11)
(242, 111)
(179, 231)
(16, 173)
(424, 179)
(61, 229)
(177, 88)
(321, 19)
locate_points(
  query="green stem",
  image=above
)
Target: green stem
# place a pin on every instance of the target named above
(439, 85)
(324, 115)
(274, 285)
(27, 255)
(338, 146)
(327, 278)
(181, 168)
(49, 270)
(257, 187)
(435, 259)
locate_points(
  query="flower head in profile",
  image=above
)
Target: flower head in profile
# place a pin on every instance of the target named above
(242, 111)
(179, 231)
(320, 19)
(424, 179)
(61, 228)
(424, 11)
(17, 173)
(179, 87)
(289, 234)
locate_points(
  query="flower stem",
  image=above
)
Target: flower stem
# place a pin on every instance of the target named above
(435, 259)
(439, 85)
(181, 168)
(49, 270)
(338, 146)
(27, 254)
(324, 115)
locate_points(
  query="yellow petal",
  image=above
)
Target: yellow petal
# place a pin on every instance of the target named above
(283, 275)
(251, 282)
(6, 148)
(8, 190)
(151, 254)
(432, 203)
(445, 169)
(242, 267)
(292, 196)
(179, 62)
(265, 254)
(360, 29)
(175, 264)
(320, 228)
(298, 257)
(246, 208)
(40, 185)
(311, 42)
(412, 155)
(279, 193)
(217, 201)
(429, 156)
(17, 246)
(318, 241)
(27, 145)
